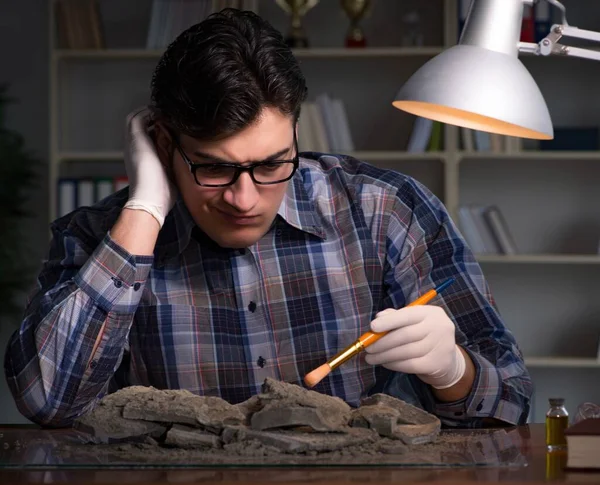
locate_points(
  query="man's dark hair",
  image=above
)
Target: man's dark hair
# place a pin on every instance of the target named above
(217, 76)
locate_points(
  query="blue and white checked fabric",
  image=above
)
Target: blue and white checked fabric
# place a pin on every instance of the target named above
(349, 240)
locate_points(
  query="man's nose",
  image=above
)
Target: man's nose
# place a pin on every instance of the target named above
(243, 194)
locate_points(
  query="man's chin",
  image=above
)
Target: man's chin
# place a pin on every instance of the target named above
(239, 239)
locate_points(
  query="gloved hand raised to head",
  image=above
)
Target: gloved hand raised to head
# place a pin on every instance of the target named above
(421, 341)
(149, 187)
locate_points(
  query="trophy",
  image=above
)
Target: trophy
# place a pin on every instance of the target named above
(355, 10)
(297, 9)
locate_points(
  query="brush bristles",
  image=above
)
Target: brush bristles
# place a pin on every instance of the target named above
(313, 378)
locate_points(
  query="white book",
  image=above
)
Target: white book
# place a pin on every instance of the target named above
(500, 229)
(419, 137)
(318, 129)
(153, 26)
(490, 245)
(104, 188)
(343, 127)
(306, 141)
(67, 196)
(167, 24)
(325, 107)
(161, 32)
(469, 230)
(85, 193)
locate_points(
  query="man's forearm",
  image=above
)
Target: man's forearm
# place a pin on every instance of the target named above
(463, 387)
(136, 231)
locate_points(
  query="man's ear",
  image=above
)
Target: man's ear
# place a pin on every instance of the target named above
(165, 147)
(164, 143)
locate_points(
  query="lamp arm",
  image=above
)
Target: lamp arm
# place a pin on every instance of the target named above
(549, 45)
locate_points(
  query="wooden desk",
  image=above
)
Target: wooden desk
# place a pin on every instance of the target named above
(540, 467)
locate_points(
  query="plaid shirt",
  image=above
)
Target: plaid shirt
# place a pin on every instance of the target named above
(349, 240)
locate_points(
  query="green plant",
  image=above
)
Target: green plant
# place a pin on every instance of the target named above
(17, 175)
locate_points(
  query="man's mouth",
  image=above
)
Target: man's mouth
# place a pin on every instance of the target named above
(240, 219)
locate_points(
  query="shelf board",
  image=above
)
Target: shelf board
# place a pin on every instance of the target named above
(539, 258)
(317, 52)
(374, 155)
(532, 155)
(90, 156)
(329, 52)
(107, 54)
(380, 155)
(574, 362)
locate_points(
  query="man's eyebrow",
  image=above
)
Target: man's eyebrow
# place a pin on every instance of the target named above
(274, 156)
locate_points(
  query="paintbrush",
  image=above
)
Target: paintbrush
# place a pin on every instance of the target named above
(314, 377)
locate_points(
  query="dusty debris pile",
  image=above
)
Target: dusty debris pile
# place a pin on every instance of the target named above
(283, 419)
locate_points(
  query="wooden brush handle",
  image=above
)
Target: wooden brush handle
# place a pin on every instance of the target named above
(369, 338)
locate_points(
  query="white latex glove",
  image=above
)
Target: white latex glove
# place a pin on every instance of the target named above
(420, 341)
(149, 186)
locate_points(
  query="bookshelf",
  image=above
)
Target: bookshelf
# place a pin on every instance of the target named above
(323, 52)
(549, 198)
(562, 362)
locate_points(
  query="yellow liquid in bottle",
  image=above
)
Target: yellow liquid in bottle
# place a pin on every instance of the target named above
(555, 431)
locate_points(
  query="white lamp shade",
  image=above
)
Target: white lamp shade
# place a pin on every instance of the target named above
(478, 88)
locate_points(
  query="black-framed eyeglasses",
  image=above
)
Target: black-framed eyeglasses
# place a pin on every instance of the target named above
(268, 172)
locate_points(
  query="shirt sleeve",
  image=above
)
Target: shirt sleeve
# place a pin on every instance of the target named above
(80, 294)
(424, 248)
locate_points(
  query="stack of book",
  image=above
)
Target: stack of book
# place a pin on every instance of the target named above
(485, 230)
(81, 192)
(481, 141)
(323, 126)
(426, 136)
(171, 17)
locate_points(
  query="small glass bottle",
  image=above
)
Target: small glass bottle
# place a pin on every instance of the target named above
(557, 420)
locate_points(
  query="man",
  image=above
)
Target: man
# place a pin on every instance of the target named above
(231, 258)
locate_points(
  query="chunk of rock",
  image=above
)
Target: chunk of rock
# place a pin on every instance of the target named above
(332, 413)
(187, 437)
(249, 407)
(127, 394)
(295, 442)
(283, 419)
(183, 407)
(105, 424)
(286, 415)
(394, 418)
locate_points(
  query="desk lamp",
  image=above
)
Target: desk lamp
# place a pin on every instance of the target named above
(481, 84)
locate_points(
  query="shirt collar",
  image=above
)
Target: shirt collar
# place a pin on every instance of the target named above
(296, 209)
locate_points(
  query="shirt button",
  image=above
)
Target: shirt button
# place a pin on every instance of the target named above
(136, 286)
(278, 232)
(117, 283)
(93, 364)
(261, 362)
(252, 307)
(479, 406)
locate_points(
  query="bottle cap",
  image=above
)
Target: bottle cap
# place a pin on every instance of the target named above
(556, 401)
